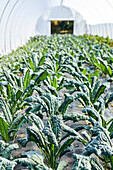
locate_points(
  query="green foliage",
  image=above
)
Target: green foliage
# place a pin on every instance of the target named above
(4, 129)
(31, 79)
(9, 124)
(33, 160)
(6, 111)
(101, 138)
(85, 163)
(6, 161)
(47, 101)
(75, 117)
(49, 139)
(19, 88)
(6, 164)
(98, 140)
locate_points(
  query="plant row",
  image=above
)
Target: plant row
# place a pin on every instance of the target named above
(31, 79)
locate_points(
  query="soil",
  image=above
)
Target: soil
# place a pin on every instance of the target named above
(78, 147)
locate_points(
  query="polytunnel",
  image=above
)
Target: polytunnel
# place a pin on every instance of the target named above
(56, 84)
(21, 19)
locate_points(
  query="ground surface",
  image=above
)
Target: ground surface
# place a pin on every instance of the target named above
(78, 147)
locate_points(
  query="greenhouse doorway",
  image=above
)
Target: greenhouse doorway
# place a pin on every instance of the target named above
(62, 27)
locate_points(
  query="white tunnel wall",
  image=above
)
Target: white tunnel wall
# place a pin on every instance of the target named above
(18, 19)
(102, 30)
(61, 13)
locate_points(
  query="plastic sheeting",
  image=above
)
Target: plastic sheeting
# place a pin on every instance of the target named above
(61, 13)
(19, 19)
(101, 30)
